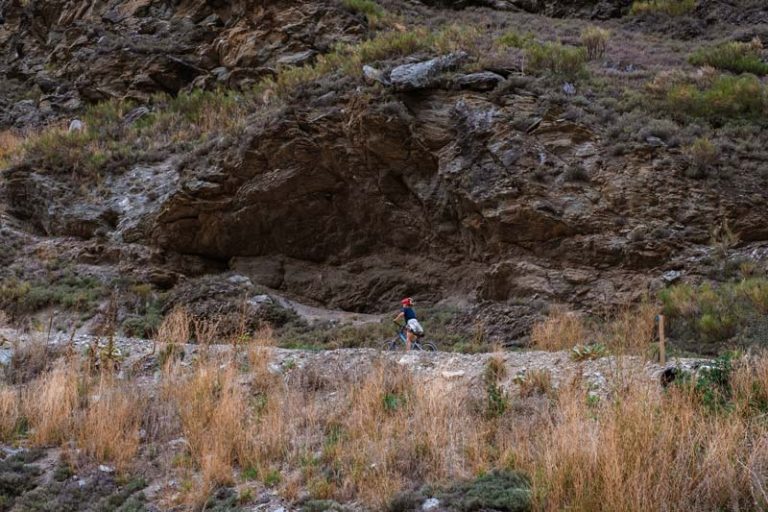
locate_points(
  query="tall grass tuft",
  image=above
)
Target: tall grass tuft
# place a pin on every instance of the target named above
(561, 330)
(109, 429)
(50, 404)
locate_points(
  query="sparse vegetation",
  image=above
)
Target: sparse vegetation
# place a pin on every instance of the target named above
(668, 7)
(733, 56)
(70, 291)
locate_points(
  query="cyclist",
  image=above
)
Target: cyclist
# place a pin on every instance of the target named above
(412, 326)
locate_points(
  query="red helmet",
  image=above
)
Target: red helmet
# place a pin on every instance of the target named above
(407, 302)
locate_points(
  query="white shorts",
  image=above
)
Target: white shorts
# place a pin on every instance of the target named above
(415, 327)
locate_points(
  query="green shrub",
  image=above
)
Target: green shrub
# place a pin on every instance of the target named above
(562, 61)
(727, 97)
(369, 8)
(668, 7)
(702, 154)
(588, 352)
(733, 56)
(497, 400)
(514, 39)
(595, 40)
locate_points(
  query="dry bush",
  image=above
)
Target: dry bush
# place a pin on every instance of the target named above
(109, 430)
(536, 382)
(175, 329)
(561, 330)
(30, 359)
(632, 330)
(259, 354)
(49, 405)
(595, 40)
(206, 330)
(702, 154)
(10, 413)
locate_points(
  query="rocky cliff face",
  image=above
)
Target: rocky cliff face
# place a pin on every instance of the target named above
(475, 179)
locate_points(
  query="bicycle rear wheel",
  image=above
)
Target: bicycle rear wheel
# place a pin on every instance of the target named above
(389, 345)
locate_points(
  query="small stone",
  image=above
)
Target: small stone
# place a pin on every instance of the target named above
(638, 233)
(76, 125)
(453, 374)
(569, 89)
(655, 142)
(296, 59)
(373, 75)
(430, 504)
(135, 114)
(483, 81)
(258, 300)
(106, 469)
(671, 276)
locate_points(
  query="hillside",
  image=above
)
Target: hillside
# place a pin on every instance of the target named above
(210, 211)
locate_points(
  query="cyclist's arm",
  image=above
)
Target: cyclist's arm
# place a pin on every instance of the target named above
(400, 316)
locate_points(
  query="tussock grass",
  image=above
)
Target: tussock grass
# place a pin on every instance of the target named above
(10, 413)
(109, 428)
(49, 406)
(561, 330)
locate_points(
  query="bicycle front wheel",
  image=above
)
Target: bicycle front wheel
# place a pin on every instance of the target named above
(426, 347)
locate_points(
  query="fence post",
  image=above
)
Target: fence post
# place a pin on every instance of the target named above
(662, 342)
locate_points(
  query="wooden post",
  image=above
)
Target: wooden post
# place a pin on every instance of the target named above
(662, 342)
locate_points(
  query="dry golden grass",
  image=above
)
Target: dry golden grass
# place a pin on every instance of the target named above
(632, 330)
(10, 412)
(175, 329)
(49, 405)
(367, 436)
(561, 330)
(213, 409)
(109, 428)
(10, 145)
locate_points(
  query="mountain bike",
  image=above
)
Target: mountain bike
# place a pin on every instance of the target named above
(401, 339)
